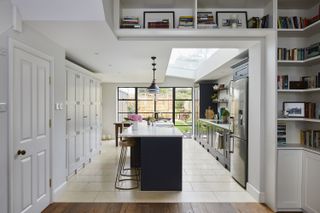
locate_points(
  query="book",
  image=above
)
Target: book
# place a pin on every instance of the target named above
(310, 138)
(257, 22)
(206, 20)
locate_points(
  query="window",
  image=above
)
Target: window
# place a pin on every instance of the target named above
(183, 110)
(171, 103)
(126, 102)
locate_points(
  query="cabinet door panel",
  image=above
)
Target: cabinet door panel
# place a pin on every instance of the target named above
(71, 86)
(93, 140)
(86, 90)
(289, 178)
(86, 116)
(93, 116)
(311, 178)
(71, 119)
(86, 142)
(79, 88)
(79, 147)
(92, 91)
(79, 118)
(71, 153)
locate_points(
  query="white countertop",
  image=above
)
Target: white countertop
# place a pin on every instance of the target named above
(151, 131)
(213, 122)
(298, 147)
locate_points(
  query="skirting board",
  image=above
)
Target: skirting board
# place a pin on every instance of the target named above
(256, 194)
(56, 191)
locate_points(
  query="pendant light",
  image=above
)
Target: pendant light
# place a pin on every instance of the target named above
(153, 88)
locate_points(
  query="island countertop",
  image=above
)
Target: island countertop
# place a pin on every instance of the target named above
(151, 131)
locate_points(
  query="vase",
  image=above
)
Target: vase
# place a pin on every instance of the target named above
(135, 125)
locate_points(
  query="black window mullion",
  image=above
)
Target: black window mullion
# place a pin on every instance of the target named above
(174, 105)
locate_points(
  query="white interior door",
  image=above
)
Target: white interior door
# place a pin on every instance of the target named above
(31, 133)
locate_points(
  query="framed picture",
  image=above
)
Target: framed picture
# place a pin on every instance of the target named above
(158, 20)
(232, 19)
(294, 109)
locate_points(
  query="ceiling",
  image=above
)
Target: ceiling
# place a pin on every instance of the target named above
(88, 40)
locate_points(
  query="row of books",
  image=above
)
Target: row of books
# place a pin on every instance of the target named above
(295, 22)
(283, 82)
(130, 22)
(186, 22)
(306, 82)
(296, 54)
(310, 110)
(310, 138)
(312, 81)
(282, 133)
(257, 22)
(206, 20)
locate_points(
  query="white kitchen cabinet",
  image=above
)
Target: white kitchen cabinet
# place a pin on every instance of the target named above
(311, 182)
(82, 133)
(289, 179)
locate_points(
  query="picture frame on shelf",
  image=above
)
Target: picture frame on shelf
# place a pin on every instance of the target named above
(159, 19)
(232, 19)
(294, 109)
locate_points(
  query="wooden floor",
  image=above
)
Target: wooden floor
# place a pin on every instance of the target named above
(156, 208)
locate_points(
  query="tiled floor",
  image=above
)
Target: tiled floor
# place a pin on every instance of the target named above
(208, 182)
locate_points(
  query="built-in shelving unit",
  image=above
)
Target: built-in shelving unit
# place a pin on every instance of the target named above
(305, 32)
(307, 62)
(298, 90)
(293, 186)
(128, 8)
(300, 120)
(297, 70)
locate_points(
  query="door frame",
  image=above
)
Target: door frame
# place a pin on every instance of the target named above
(13, 43)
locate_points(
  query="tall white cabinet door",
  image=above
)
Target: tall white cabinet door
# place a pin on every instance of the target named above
(310, 182)
(31, 133)
(289, 178)
(86, 114)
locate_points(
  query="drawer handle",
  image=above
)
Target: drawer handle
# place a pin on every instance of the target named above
(69, 119)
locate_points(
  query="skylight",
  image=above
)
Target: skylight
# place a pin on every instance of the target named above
(185, 61)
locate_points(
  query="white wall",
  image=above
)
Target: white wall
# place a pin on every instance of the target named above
(109, 99)
(35, 40)
(5, 15)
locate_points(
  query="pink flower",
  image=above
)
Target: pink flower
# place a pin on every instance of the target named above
(135, 117)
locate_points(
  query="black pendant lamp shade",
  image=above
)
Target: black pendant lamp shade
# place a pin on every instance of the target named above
(153, 88)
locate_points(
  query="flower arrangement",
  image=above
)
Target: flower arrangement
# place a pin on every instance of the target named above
(135, 117)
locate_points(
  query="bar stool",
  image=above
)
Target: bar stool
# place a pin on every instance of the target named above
(122, 172)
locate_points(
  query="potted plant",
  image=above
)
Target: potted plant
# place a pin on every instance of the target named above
(135, 119)
(225, 116)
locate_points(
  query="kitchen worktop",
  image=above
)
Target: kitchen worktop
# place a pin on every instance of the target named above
(152, 131)
(217, 124)
(298, 147)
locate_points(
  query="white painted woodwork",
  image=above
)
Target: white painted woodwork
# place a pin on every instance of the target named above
(31, 132)
(289, 177)
(83, 131)
(310, 182)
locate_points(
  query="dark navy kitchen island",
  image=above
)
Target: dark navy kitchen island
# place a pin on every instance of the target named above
(158, 153)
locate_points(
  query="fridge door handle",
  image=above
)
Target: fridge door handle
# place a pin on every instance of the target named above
(232, 124)
(231, 150)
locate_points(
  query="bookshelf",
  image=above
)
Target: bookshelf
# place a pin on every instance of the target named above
(136, 9)
(298, 90)
(291, 35)
(299, 120)
(305, 32)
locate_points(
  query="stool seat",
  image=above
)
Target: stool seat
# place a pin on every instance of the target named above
(126, 143)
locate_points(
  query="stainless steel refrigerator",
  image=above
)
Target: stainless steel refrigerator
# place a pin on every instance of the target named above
(239, 137)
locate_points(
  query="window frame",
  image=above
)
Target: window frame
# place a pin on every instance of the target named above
(174, 100)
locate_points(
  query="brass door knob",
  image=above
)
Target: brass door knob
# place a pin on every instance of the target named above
(21, 152)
